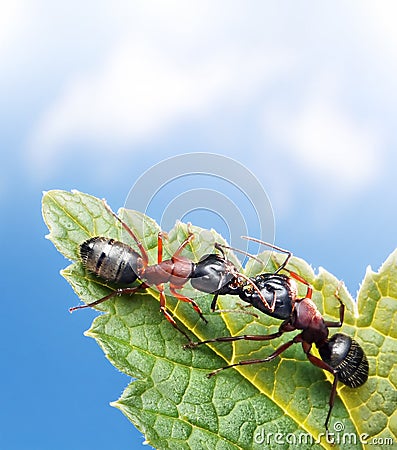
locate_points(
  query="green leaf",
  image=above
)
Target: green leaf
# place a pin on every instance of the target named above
(281, 404)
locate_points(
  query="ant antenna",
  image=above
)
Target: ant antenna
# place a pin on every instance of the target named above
(243, 252)
(144, 255)
(264, 301)
(275, 247)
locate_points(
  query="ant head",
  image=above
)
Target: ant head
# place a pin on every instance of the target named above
(279, 292)
(212, 273)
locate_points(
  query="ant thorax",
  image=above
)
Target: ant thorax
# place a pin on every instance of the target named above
(308, 318)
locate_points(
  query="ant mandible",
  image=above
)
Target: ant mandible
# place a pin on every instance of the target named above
(340, 355)
(119, 264)
(268, 292)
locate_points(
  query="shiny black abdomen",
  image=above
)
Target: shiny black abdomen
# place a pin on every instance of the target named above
(111, 260)
(346, 356)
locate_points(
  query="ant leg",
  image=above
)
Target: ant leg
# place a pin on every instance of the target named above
(245, 337)
(125, 291)
(144, 255)
(214, 301)
(166, 314)
(241, 309)
(190, 237)
(159, 247)
(183, 298)
(319, 363)
(177, 253)
(331, 401)
(280, 350)
(323, 365)
(341, 310)
(297, 277)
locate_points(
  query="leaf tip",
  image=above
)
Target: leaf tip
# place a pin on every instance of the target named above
(352, 301)
(89, 333)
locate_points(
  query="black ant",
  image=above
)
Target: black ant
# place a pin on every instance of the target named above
(340, 355)
(266, 292)
(119, 264)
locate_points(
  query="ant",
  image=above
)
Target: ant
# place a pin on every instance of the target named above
(340, 355)
(119, 264)
(265, 291)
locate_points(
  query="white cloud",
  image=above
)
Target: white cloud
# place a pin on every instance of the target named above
(12, 21)
(182, 61)
(377, 24)
(325, 141)
(139, 92)
(332, 144)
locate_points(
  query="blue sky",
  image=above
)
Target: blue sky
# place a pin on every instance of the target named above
(303, 94)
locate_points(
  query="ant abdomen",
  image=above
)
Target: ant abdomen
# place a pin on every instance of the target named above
(111, 260)
(346, 356)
